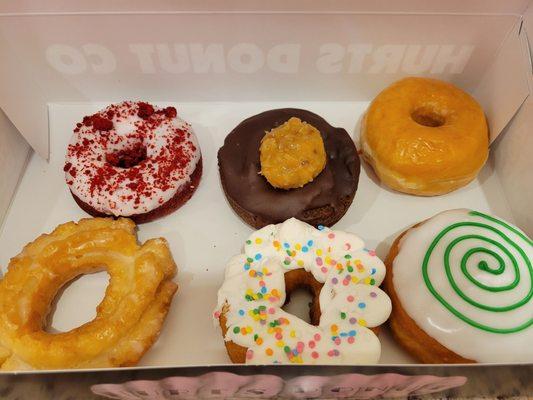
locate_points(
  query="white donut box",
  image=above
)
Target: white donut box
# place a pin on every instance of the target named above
(218, 63)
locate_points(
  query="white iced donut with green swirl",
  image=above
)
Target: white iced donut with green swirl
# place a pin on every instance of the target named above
(466, 279)
(251, 298)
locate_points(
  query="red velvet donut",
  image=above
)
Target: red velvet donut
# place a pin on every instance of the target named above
(133, 160)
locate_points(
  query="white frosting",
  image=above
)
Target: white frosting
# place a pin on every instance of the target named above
(172, 153)
(480, 334)
(350, 300)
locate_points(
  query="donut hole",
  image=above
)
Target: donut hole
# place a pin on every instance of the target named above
(302, 295)
(127, 158)
(427, 117)
(299, 304)
(76, 302)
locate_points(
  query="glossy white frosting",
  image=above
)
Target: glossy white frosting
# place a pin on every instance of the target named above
(480, 334)
(350, 300)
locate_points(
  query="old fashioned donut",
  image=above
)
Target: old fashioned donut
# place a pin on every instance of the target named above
(461, 288)
(129, 318)
(341, 274)
(133, 160)
(424, 137)
(318, 199)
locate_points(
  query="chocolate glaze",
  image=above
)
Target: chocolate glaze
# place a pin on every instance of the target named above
(239, 166)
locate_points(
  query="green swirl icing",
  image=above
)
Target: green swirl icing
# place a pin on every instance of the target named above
(503, 246)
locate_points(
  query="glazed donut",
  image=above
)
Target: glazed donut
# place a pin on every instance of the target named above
(341, 274)
(133, 160)
(461, 289)
(129, 318)
(424, 137)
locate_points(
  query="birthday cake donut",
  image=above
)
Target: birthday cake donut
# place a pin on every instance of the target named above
(461, 287)
(341, 274)
(133, 160)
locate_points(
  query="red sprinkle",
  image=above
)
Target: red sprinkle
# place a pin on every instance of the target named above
(67, 166)
(87, 121)
(102, 124)
(171, 112)
(145, 110)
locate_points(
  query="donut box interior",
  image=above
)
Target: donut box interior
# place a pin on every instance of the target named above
(219, 64)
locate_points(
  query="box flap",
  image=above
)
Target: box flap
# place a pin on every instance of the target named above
(504, 86)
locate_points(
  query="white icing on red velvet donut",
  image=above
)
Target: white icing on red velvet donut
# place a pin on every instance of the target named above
(350, 300)
(162, 146)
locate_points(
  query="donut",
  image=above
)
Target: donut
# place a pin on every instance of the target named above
(128, 319)
(424, 137)
(461, 288)
(133, 160)
(322, 193)
(341, 274)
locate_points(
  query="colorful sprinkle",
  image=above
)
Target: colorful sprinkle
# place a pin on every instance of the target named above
(250, 354)
(361, 305)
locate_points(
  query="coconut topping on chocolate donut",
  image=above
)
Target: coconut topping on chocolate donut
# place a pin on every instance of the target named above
(130, 158)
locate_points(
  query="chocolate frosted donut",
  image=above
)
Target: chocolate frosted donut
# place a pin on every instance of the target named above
(321, 202)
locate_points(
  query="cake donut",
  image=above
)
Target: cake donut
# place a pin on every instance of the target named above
(133, 160)
(288, 163)
(425, 137)
(128, 319)
(343, 277)
(461, 288)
